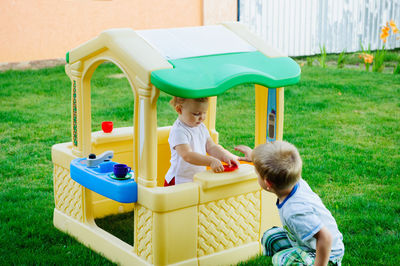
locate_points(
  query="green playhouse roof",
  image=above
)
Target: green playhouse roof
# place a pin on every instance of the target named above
(212, 75)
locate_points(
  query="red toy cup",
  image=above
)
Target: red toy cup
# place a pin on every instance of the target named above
(107, 126)
(231, 168)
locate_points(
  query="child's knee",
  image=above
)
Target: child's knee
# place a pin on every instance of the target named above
(272, 233)
(274, 240)
(274, 230)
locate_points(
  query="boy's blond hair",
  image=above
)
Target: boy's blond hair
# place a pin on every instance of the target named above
(278, 162)
(179, 100)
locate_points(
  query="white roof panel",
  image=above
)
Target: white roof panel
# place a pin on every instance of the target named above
(187, 42)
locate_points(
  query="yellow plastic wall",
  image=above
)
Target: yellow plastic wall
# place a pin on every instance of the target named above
(217, 219)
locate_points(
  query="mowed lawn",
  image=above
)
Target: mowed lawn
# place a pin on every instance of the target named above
(345, 123)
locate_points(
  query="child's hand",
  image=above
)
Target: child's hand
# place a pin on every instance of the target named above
(230, 159)
(216, 165)
(246, 151)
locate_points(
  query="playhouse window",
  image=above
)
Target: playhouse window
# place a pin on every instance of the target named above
(235, 120)
(111, 97)
(166, 115)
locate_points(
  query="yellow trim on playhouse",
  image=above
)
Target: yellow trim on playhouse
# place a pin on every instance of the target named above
(216, 220)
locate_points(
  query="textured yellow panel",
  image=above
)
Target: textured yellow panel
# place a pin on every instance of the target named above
(228, 223)
(143, 243)
(67, 194)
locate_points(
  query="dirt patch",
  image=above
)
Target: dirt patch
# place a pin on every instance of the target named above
(35, 64)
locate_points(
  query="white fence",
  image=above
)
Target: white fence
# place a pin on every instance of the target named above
(301, 27)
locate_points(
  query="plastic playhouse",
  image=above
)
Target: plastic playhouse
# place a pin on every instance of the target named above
(216, 220)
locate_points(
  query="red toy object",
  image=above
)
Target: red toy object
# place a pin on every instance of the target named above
(107, 126)
(231, 168)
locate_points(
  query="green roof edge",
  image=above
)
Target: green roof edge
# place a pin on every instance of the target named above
(224, 71)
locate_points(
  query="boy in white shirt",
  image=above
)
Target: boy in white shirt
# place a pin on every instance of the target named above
(190, 141)
(310, 235)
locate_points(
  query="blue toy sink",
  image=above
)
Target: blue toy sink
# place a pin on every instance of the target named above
(101, 180)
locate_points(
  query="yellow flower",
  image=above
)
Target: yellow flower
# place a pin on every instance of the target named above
(394, 27)
(385, 32)
(368, 58)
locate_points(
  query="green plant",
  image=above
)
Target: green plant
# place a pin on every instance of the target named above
(367, 60)
(310, 61)
(341, 59)
(322, 58)
(396, 69)
(379, 65)
(380, 53)
(368, 51)
(366, 56)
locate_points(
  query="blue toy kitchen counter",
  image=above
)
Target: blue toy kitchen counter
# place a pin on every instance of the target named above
(99, 179)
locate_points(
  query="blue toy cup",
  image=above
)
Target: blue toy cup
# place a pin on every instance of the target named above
(120, 170)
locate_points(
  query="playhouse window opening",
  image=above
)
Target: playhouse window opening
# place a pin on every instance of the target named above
(235, 119)
(166, 115)
(112, 98)
(119, 225)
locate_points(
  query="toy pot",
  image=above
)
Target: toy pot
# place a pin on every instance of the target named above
(107, 126)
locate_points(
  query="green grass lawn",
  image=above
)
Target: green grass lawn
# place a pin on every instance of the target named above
(345, 123)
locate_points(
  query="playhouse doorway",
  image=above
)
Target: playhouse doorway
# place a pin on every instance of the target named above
(112, 99)
(119, 225)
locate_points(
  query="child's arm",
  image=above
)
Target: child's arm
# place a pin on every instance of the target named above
(185, 151)
(324, 245)
(219, 152)
(246, 151)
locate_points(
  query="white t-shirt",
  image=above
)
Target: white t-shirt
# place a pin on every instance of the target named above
(196, 137)
(303, 214)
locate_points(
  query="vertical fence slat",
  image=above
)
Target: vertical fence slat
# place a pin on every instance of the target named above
(300, 27)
